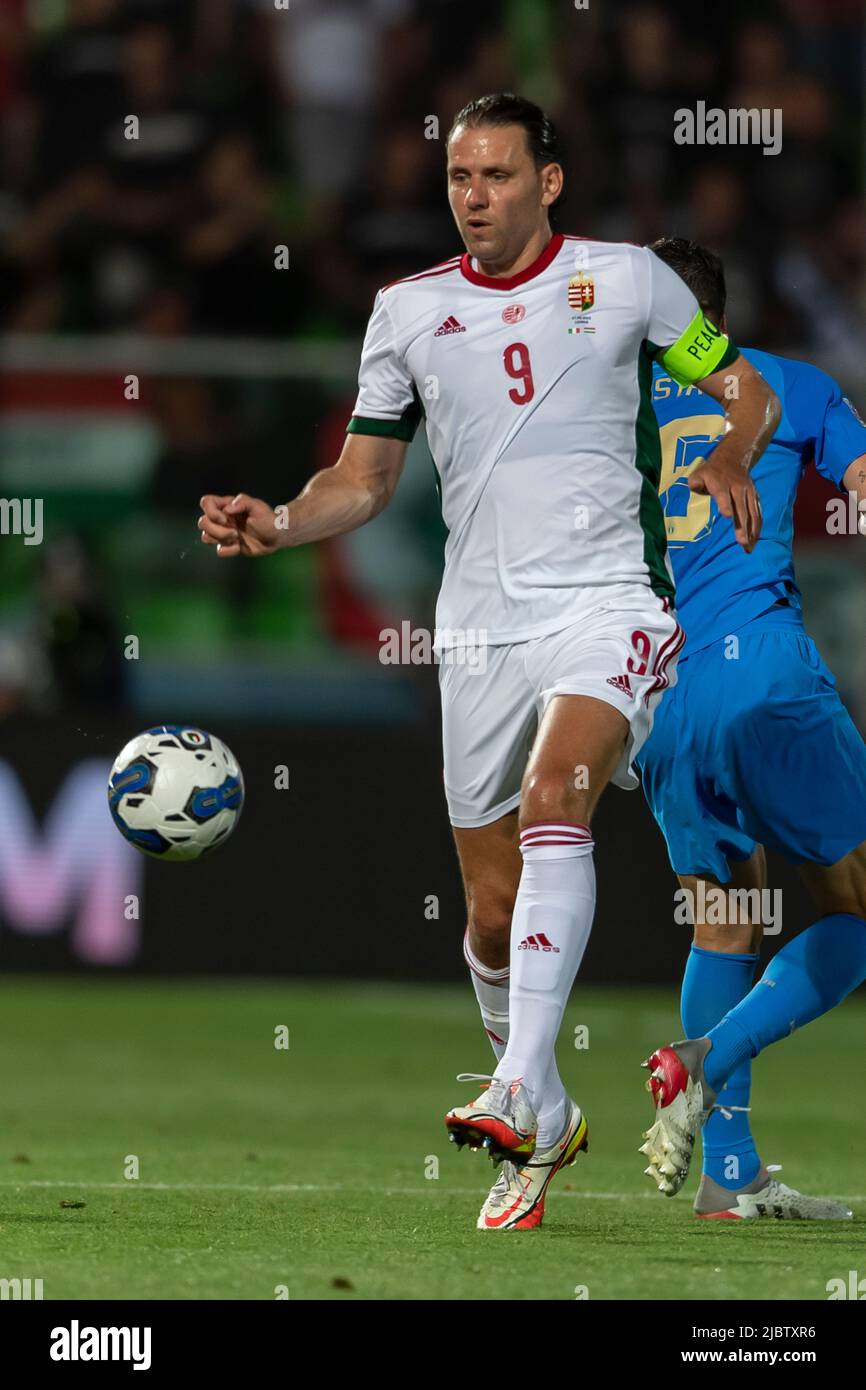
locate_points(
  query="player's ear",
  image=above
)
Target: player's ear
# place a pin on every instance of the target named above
(552, 181)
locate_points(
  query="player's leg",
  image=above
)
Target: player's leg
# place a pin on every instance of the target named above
(556, 897)
(596, 684)
(839, 887)
(719, 972)
(489, 720)
(807, 977)
(551, 920)
(683, 768)
(799, 769)
(735, 1184)
(490, 865)
(812, 803)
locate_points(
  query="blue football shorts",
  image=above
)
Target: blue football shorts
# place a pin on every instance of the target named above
(753, 745)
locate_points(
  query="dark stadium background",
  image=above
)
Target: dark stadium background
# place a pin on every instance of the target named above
(155, 259)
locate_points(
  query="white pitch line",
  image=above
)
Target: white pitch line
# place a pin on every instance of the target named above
(179, 1186)
(290, 1187)
(336, 1187)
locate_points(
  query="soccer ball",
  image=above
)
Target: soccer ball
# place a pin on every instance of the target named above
(175, 792)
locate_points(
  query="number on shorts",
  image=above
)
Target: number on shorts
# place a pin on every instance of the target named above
(643, 646)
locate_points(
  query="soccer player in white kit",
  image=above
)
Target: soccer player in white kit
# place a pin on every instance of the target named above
(531, 358)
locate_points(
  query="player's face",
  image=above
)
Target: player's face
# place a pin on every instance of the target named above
(498, 197)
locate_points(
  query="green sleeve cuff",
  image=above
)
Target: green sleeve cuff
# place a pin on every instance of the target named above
(702, 350)
(404, 427)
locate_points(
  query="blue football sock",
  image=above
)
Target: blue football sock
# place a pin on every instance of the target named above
(713, 983)
(809, 976)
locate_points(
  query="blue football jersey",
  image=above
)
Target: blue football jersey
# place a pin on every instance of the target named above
(720, 587)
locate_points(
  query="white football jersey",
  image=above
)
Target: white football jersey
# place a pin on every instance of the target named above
(537, 395)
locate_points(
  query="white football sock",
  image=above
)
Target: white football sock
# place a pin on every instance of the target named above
(549, 931)
(491, 991)
(555, 1110)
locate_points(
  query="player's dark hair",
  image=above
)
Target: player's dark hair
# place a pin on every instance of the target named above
(506, 108)
(701, 269)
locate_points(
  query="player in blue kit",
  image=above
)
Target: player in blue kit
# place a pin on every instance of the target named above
(752, 747)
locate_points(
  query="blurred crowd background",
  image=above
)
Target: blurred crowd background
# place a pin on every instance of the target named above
(307, 127)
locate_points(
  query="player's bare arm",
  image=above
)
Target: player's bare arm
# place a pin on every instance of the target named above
(855, 478)
(752, 414)
(335, 500)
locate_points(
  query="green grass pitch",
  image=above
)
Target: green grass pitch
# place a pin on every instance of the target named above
(313, 1168)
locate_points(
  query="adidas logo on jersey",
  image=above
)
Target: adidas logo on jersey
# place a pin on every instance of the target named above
(451, 325)
(538, 942)
(622, 683)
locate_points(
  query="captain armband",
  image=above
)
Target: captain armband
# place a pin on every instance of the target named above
(700, 351)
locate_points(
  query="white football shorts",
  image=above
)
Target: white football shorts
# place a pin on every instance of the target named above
(621, 647)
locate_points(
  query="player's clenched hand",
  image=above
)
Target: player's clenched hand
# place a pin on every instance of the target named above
(239, 525)
(735, 494)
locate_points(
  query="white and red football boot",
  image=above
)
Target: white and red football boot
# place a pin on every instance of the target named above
(683, 1100)
(501, 1120)
(516, 1200)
